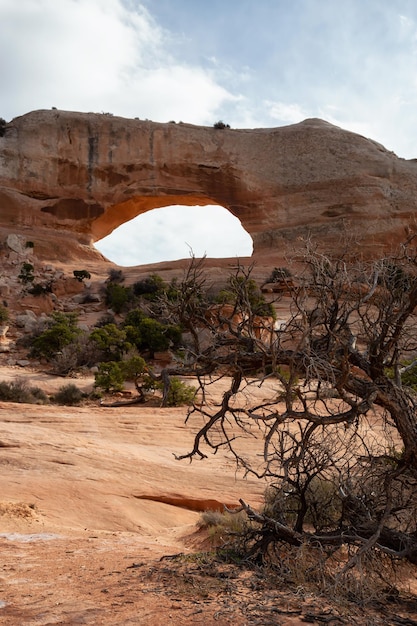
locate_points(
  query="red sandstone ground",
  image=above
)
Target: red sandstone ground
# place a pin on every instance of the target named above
(81, 545)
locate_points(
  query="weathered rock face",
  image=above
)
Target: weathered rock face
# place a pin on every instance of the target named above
(72, 178)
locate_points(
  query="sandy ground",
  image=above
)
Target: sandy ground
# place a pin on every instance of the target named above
(74, 508)
(91, 500)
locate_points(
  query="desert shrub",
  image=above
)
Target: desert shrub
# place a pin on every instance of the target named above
(4, 314)
(26, 273)
(111, 341)
(69, 395)
(180, 393)
(19, 391)
(3, 125)
(110, 377)
(133, 368)
(117, 296)
(149, 287)
(115, 276)
(409, 377)
(38, 395)
(29, 244)
(223, 526)
(220, 125)
(79, 353)
(245, 294)
(81, 275)
(153, 336)
(148, 334)
(106, 318)
(61, 330)
(233, 522)
(279, 274)
(393, 276)
(38, 289)
(320, 498)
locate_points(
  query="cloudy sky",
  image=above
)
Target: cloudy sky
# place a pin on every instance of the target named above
(251, 63)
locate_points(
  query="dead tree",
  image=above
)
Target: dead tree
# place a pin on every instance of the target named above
(337, 429)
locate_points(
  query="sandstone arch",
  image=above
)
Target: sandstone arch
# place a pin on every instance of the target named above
(78, 176)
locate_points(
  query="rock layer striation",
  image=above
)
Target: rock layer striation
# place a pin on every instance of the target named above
(72, 178)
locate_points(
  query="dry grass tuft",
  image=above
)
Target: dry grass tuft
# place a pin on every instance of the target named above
(17, 509)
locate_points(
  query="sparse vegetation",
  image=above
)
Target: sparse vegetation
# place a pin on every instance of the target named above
(39, 289)
(110, 341)
(26, 274)
(69, 395)
(81, 275)
(20, 391)
(180, 393)
(278, 275)
(220, 125)
(118, 297)
(150, 287)
(4, 314)
(61, 330)
(148, 334)
(244, 293)
(110, 377)
(115, 276)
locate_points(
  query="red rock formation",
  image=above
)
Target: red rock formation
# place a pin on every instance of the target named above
(72, 178)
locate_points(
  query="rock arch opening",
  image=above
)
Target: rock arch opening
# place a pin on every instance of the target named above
(172, 232)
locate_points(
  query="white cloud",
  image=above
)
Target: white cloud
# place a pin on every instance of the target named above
(95, 55)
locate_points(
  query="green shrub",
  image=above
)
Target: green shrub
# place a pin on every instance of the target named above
(117, 296)
(320, 496)
(111, 341)
(279, 274)
(106, 318)
(245, 294)
(409, 378)
(26, 273)
(19, 391)
(38, 289)
(220, 125)
(81, 275)
(150, 287)
(69, 395)
(180, 393)
(61, 330)
(133, 368)
(110, 377)
(224, 527)
(4, 314)
(148, 334)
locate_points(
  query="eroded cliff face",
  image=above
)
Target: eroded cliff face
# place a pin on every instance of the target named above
(72, 178)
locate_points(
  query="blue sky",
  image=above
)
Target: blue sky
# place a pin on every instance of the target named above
(251, 63)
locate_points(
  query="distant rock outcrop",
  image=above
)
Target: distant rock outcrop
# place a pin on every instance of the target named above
(69, 179)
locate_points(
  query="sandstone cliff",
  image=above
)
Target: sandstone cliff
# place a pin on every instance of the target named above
(69, 179)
